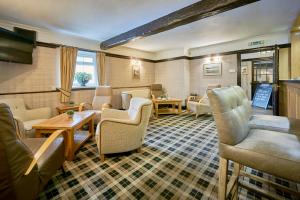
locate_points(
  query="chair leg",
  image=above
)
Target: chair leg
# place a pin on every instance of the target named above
(223, 171)
(196, 116)
(102, 157)
(236, 173)
(139, 150)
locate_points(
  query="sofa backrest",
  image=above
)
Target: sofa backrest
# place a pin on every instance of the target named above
(231, 110)
(16, 105)
(103, 94)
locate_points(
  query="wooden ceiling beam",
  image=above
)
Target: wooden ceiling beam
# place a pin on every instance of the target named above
(194, 12)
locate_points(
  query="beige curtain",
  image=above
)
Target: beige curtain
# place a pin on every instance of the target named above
(68, 57)
(101, 68)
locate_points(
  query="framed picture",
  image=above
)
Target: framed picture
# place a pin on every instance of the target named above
(212, 69)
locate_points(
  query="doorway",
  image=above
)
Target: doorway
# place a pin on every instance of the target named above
(258, 68)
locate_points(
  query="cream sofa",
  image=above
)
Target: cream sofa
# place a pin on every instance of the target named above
(26, 118)
(127, 95)
(121, 131)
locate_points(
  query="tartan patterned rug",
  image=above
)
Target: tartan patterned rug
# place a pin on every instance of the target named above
(179, 160)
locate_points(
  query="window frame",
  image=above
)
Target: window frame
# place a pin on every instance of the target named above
(89, 54)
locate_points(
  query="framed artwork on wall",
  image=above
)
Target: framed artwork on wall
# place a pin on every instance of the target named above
(212, 69)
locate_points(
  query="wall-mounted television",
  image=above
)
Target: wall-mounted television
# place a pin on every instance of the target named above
(15, 46)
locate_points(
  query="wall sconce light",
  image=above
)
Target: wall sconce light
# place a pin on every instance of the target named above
(136, 68)
(215, 59)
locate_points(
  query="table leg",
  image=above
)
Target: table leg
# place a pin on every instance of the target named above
(173, 108)
(156, 109)
(179, 108)
(38, 133)
(69, 145)
(91, 127)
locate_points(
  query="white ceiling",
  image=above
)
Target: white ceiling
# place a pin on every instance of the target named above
(102, 19)
(263, 17)
(93, 19)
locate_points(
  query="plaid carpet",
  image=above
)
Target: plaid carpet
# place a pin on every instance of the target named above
(179, 160)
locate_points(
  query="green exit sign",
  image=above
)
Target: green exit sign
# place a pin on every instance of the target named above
(256, 43)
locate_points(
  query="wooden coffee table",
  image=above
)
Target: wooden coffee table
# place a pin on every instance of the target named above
(74, 138)
(170, 101)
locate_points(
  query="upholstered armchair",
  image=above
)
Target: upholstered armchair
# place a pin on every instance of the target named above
(101, 100)
(200, 105)
(276, 153)
(128, 95)
(156, 90)
(26, 164)
(26, 118)
(122, 131)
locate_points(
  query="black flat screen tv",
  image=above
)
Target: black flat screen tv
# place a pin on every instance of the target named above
(15, 47)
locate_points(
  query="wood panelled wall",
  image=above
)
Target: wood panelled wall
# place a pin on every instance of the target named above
(289, 99)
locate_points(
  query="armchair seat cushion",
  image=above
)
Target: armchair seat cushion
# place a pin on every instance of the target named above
(50, 160)
(269, 122)
(274, 152)
(29, 132)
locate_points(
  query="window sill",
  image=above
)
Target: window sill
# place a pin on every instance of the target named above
(84, 88)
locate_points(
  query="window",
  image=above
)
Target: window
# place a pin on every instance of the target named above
(86, 63)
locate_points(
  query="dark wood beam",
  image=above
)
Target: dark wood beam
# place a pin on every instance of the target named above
(194, 12)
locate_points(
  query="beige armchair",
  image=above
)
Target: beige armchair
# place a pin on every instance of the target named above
(101, 100)
(26, 118)
(156, 90)
(26, 164)
(128, 95)
(273, 152)
(121, 131)
(200, 106)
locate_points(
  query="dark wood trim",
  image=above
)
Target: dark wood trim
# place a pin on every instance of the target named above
(199, 10)
(128, 57)
(276, 82)
(83, 88)
(172, 59)
(123, 87)
(33, 92)
(239, 69)
(257, 59)
(48, 45)
(250, 50)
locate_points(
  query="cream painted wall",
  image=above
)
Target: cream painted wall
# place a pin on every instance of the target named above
(199, 82)
(246, 78)
(174, 76)
(284, 63)
(295, 49)
(40, 76)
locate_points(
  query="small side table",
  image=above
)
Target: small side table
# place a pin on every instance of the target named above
(64, 108)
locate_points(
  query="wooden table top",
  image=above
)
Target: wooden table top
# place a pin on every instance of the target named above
(166, 100)
(63, 121)
(67, 107)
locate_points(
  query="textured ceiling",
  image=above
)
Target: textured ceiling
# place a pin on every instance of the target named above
(102, 19)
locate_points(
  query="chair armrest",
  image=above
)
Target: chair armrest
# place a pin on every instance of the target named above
(85, 106)
(42, 149)
(38, 113)
(106, 106)
(119, 121)
(20, 128)
(113, 113)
